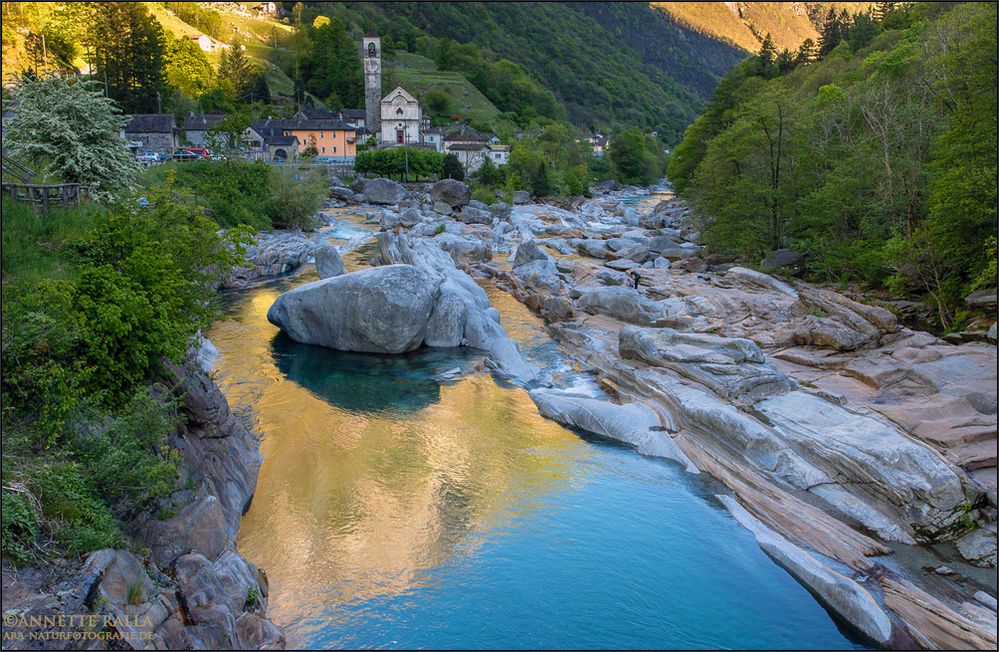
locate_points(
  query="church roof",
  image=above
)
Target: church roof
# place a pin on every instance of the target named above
(399, 90)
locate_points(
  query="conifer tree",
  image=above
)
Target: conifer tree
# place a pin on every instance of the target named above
(768, 52)
(236, 70)
(129, 46)
(831, 34)
(807, 52)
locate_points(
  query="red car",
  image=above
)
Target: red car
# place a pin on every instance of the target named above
(200, 151)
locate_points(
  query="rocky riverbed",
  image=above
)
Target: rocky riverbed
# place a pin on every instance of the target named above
(842, 436)
(841, 433)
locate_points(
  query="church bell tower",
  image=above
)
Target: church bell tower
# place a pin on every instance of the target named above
(372, 55)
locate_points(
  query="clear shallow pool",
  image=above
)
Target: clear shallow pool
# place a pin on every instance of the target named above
(397, 508)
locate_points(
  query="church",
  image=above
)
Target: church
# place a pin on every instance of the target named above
(395, 119)
(400, 118)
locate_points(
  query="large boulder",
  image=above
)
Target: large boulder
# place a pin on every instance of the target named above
(472, 215)
(410, 217)
(632, 424)
(521, 197)
(593, 248)
(784, 258)
(527, 252)
(606, 186)
(379, 310)
(339, 192)
(984, 299)
(451, 192)
(328, 262)
(842, 595)
(732, 367)
(384, 191)
(629, 305)
(273, 253)
(500, 211)
(200, 527)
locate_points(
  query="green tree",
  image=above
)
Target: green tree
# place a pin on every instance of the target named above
(128, 45)
(74, 129)
(808, 52)
(334, 64)
(236, 71)
(438, 103)
(452, 168)
(633, 157)
(186, 67)
(832, 32)
(227, 137)
(768, 52)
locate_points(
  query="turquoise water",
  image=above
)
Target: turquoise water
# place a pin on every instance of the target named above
(402, 504)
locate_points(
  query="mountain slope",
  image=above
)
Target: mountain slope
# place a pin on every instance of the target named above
(746, 24)
(610, 64)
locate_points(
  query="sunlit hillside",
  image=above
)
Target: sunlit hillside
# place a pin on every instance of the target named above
(746, 24)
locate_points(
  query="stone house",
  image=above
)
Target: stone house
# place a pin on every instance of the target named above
(154, 132)
(434, 136)
(196, 127)
(271, 143)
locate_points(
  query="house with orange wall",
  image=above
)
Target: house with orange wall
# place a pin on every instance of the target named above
(329, 137)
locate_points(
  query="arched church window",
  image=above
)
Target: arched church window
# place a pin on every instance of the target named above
(398, 111)
(372, 52)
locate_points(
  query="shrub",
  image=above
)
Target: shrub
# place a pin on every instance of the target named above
(20, 527)
(295, 198)
(76, 517)
(483, 194)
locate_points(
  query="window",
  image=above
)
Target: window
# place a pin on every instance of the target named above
(398, 111)
(323, 149)
(321, 134)
(334, 150)
(372, 52)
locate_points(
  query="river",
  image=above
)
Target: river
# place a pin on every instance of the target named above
(415, 501)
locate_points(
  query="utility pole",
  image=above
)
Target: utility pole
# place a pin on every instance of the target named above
(405, 148)
(159, 103)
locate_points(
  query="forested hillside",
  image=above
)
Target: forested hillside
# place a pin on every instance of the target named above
(877, 160)
(608, 64)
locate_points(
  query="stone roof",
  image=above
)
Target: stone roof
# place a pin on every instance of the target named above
(316, 114)
(352, 114)
(202, 122)
(467, 147)
(466, 134)
(150, 123)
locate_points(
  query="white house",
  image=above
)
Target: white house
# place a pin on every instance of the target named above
(434, 137)
(206, 43)
(401, 115)
(499, 154)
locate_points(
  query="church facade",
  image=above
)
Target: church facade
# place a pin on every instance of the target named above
(400, 118)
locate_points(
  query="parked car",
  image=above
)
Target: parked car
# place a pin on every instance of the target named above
(200, 151)
(147, 157)
(184, 155)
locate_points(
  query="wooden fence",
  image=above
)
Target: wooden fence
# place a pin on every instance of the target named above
(18, 183)
(46, 195)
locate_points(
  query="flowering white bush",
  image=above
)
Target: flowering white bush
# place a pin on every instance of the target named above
(76, 130)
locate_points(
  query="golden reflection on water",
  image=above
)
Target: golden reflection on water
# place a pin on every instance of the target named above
(351, 505)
